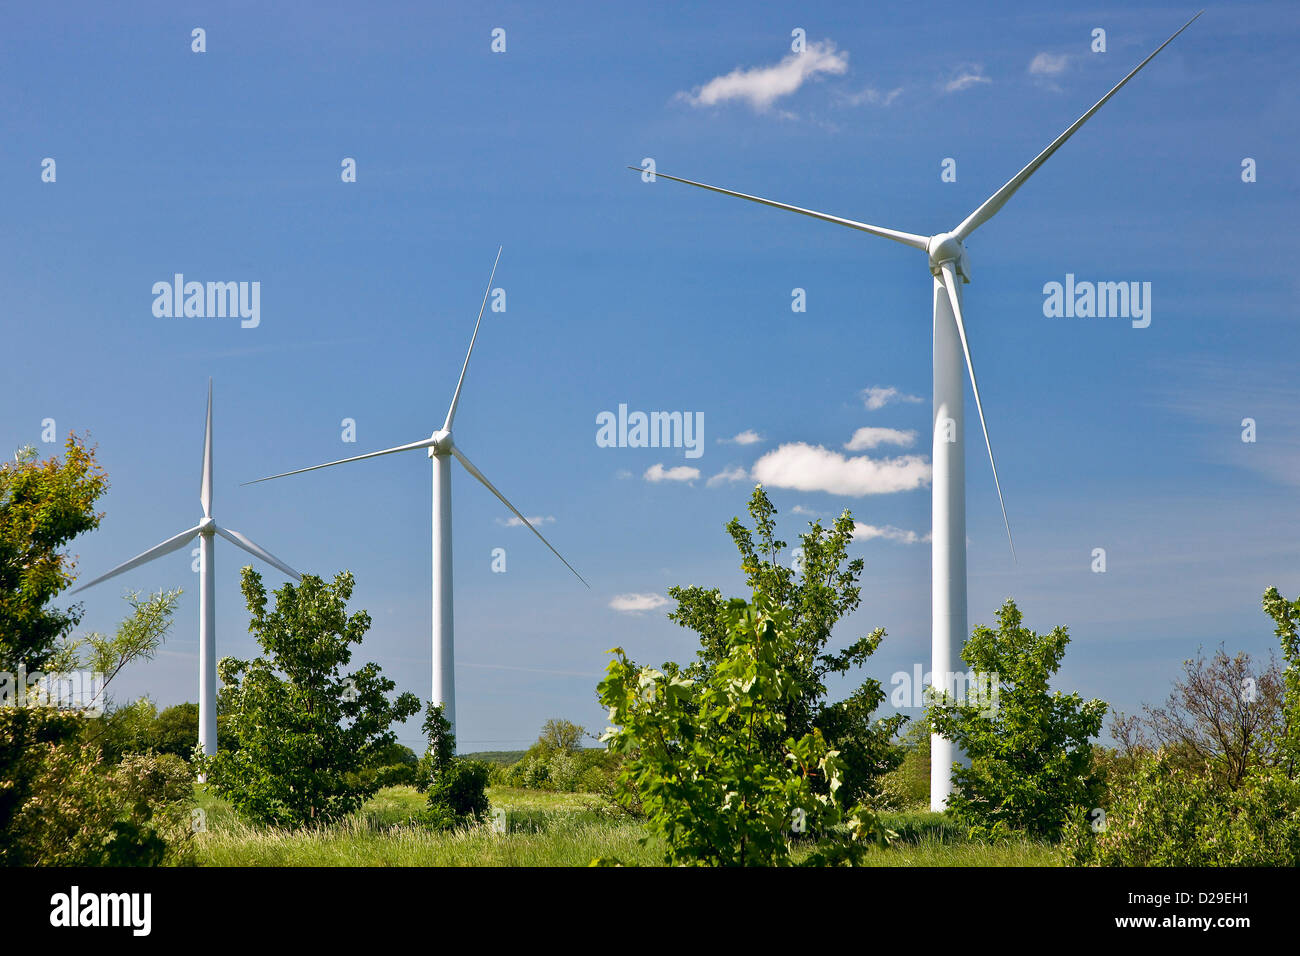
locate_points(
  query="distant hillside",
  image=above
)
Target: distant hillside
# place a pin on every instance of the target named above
(503, 757)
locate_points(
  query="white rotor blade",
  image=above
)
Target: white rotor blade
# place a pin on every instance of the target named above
(422, 443)
(168, 546)
(455, 398)
(918, 242)
(205, 486)
(257, 551)
(995, 202)
(469, 466)
(950, 283)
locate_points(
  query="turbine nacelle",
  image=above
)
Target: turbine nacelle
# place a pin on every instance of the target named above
(440, 443)
(208, 526)
(947, 247)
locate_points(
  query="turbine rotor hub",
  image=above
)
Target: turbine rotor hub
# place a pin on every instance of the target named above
(208, 526)
(441, 443)
(946, 247)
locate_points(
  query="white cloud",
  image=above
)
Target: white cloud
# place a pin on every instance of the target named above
(513, 522)
(867, 532)
(965, 78)
(1048, 64)
(801, 510)
(806, 467)
(728, 475)
(761, 86)
(622, 473)
(866, 438)
(637, 603)
(871, 97)
(878, 396)
(658, 472)
(747, 437)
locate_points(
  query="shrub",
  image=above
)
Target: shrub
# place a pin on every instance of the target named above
(457, 786)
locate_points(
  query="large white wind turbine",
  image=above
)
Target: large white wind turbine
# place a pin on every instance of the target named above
(441, 449)
(950, 267)
(204, 531)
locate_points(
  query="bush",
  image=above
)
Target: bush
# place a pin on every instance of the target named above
(457, 786)
(1159, 815)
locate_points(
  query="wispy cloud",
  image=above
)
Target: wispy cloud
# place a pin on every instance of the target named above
(747, 437)
(870, 96)
(876, 397)
(869, 532)
(727, 476)
(806, 467)
(513, 522)
(761, 86)
(637, 603)
(865, 439)
(1049, 64)
(964, 78)
(658, 472)
(622, 474)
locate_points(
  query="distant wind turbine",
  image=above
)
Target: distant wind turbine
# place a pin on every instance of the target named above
(948, 262)
(204, 530)
(441, 448)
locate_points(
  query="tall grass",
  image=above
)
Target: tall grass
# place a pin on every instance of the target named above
(543, 829)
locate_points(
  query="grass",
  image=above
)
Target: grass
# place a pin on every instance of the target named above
(543, 829)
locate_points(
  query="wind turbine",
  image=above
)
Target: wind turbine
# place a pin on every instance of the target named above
(441, 449)
(205, 530)
(949, 266)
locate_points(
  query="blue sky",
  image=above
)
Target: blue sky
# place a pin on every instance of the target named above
(225, 166)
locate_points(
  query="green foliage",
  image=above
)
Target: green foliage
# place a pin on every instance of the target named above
(823, 590)
(457, 786)
(1286, 617)
(43, 506)
(306, 728)
(1031, 757)
(695, 754)
(61, 805)
(1158, 814)
(908, 786)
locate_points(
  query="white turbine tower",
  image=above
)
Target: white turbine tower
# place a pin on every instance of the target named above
(950, 267)
(441, 449)
(204, 531)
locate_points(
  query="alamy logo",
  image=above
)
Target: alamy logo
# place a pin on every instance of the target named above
(653, 430)
(71, 690)
(1102, 300)
(74, 908)
(211, 300)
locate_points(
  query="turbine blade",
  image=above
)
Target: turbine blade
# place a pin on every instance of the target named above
(257, 551)
(422, 443)
(469, 466)
(205, 488)
(995, 202)
(950, 281)
(917, 242)
(168, 546)
(455, 398)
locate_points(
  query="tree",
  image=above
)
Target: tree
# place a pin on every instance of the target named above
(820, 591)
(1029, 750)
(43, 506)
(695, 757)
(306, 728)
(457, 786)
(1286, 617)
(1221, 715)
(559, 735)
(61, 801)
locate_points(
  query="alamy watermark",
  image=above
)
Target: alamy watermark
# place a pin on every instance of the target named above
(651, 430)
(1102, 300)
(70, 690)
(964, 688)
(212, 300)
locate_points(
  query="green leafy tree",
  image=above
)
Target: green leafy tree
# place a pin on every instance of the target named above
(457, 786)
(695, 755)
(1029, 750)
(43, 506)
(1286, 617)
(818, 592)
(306, 727)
